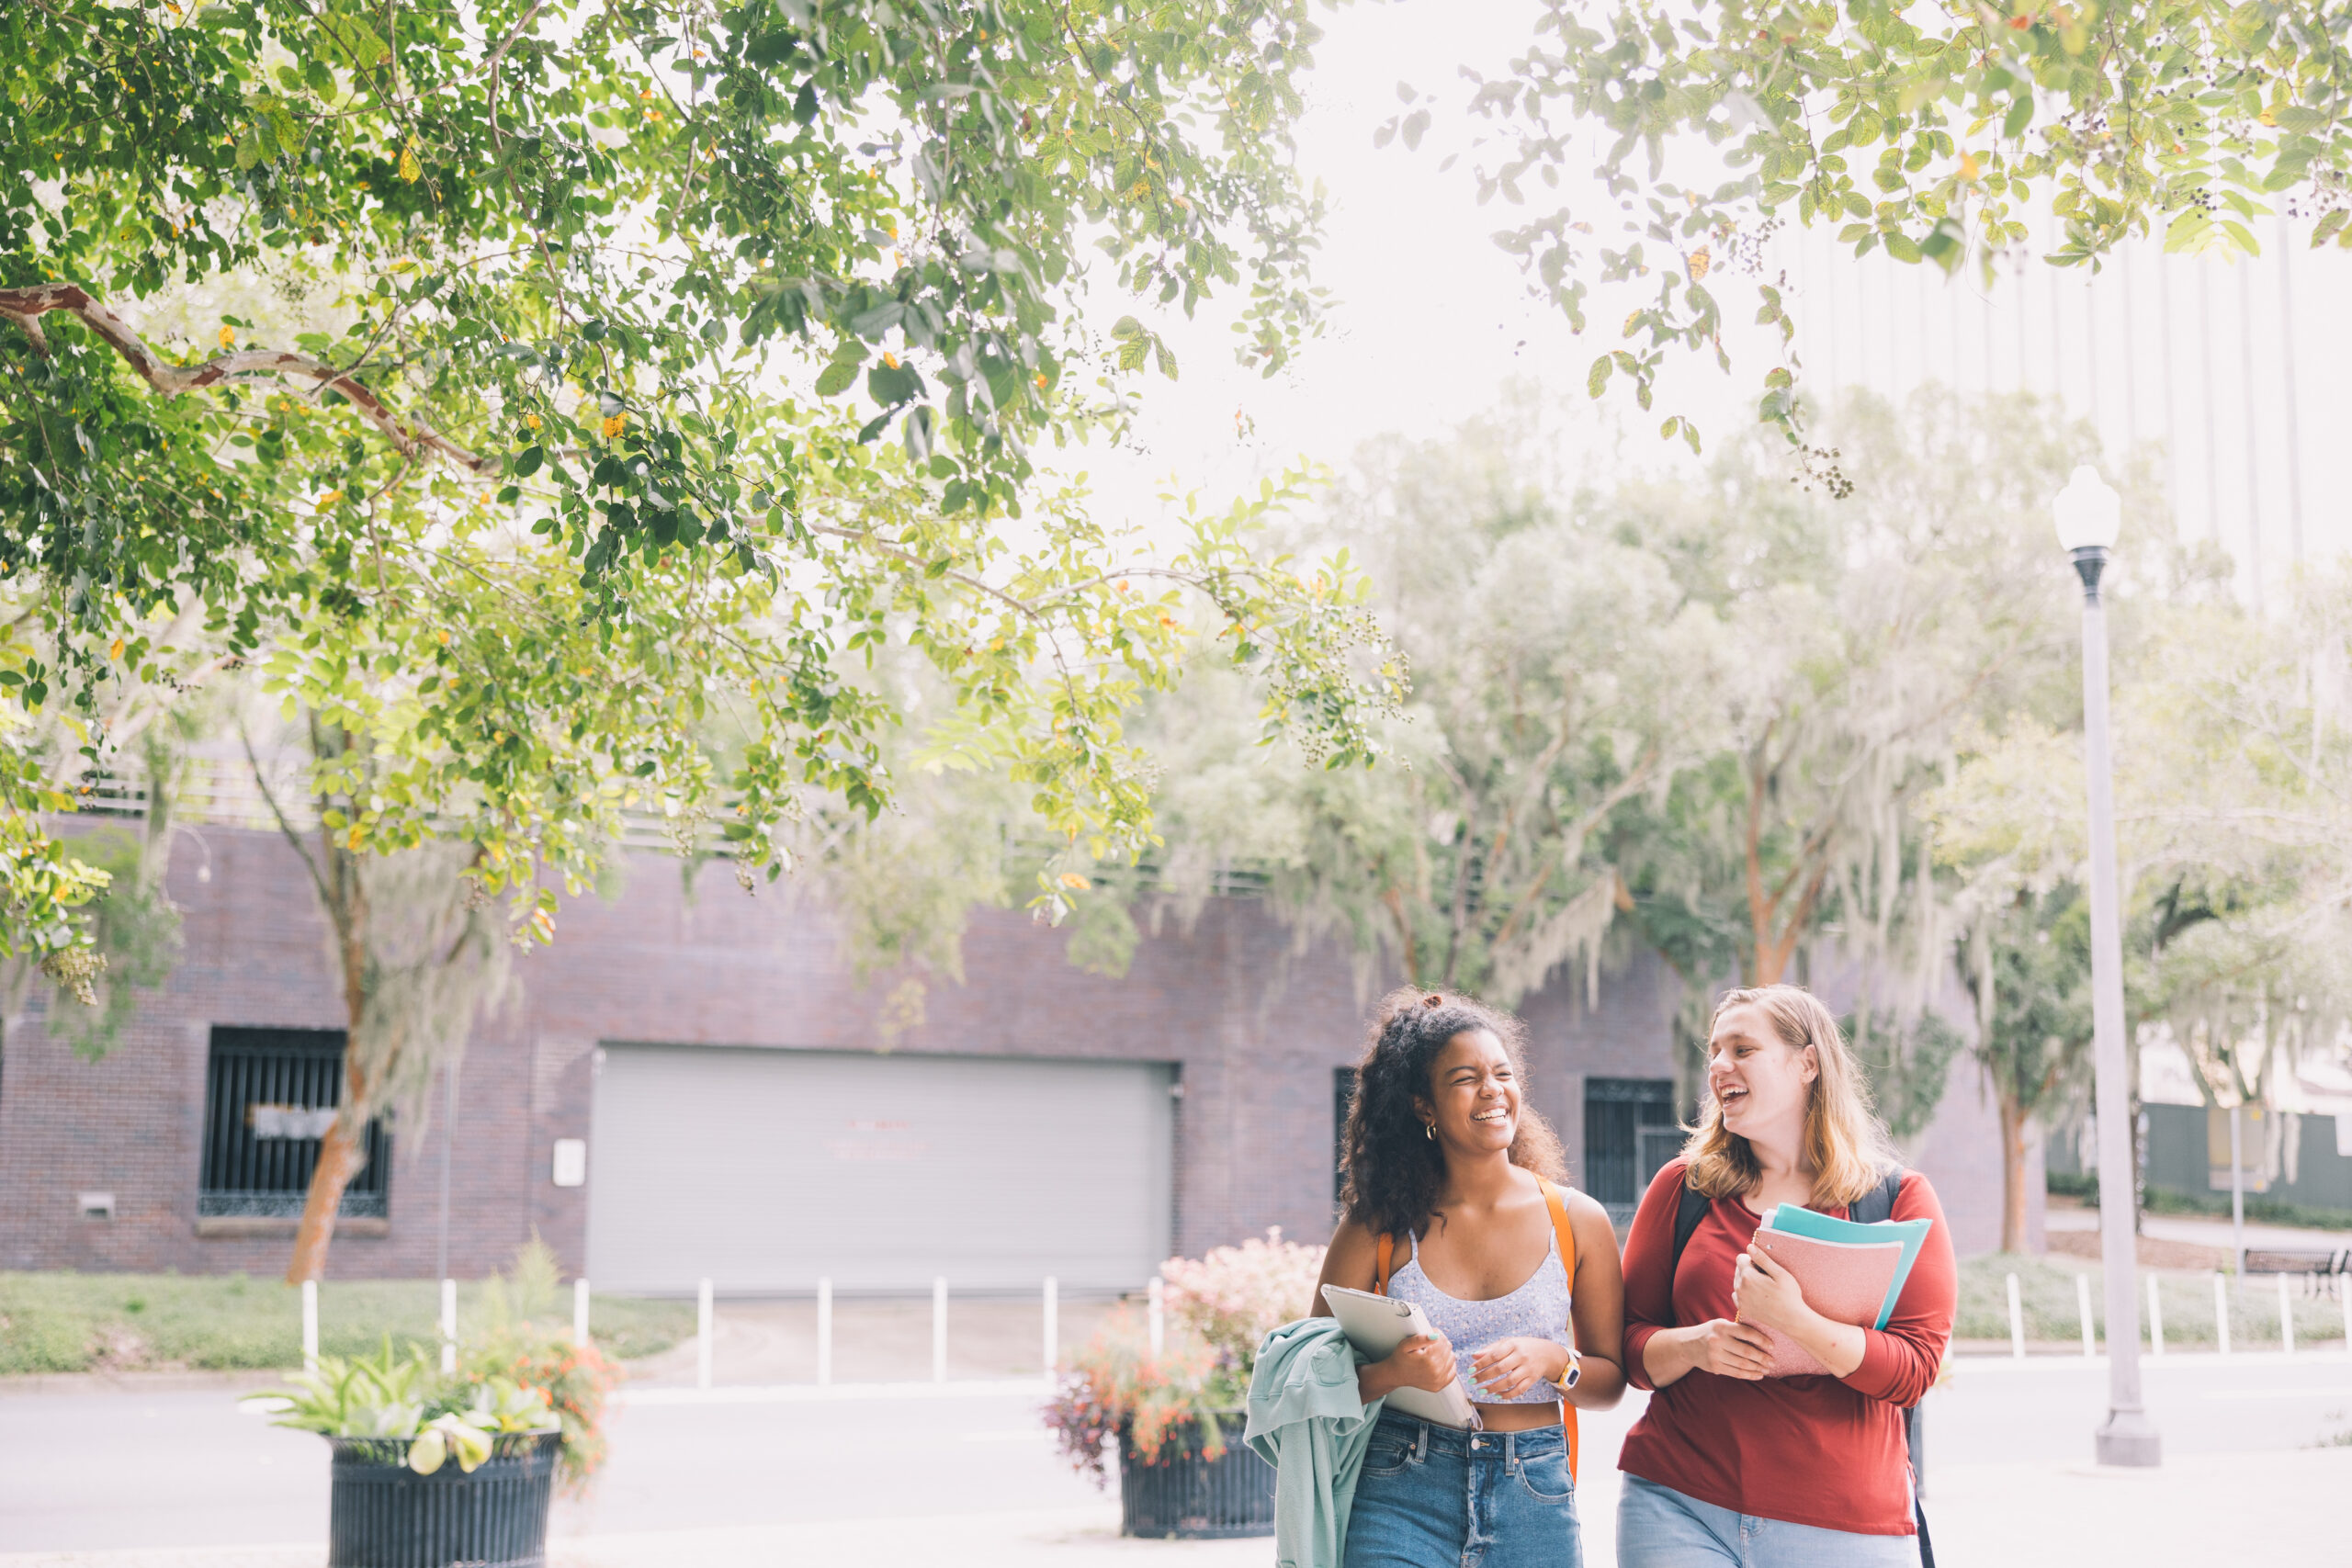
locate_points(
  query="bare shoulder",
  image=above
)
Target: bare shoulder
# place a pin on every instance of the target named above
(1352, 1257)
(1594, 1231)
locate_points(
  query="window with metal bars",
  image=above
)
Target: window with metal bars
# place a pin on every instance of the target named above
(270, 1095)
(1629, 1134)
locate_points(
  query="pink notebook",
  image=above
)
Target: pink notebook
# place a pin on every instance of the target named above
(1843, 1283)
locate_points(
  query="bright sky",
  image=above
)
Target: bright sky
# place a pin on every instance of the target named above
(2232, 366)
(1431, 317)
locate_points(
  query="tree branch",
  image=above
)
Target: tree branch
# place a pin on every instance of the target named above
(334, 910)
(24, 306)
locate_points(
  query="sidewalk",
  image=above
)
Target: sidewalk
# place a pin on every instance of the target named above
(2199, 1512)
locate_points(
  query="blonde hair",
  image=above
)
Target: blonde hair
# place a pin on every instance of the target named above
(1844, 1143)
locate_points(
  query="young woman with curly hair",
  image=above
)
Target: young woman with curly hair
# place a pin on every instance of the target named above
(1455, 1201)
(1727, 1465)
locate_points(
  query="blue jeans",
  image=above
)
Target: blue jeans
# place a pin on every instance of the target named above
(1432, 1498)
(1660, 1527)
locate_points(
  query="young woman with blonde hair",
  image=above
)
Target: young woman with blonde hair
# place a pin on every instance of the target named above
(1456, 1201)
(1727, 1466)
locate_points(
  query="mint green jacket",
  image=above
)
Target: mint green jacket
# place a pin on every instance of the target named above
(1306, 1421)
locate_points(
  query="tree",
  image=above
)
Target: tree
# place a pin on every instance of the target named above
(1558, 675)
(503, 390)
(2028, 967)
(564, 267)
(1870, 636)
(1929, 131)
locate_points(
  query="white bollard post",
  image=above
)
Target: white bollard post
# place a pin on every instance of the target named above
(2222, 1311)
(309, 1325)
(702, 1334)
(2155, 1318)
(824, 1332)
(1156, 1294)
(449, 1326)
(939, 1330)
(1053, 1325)
(2286, 1318)
(579, 1311)
(2343, 1295)
(2016, 1321)
(2083, 1300)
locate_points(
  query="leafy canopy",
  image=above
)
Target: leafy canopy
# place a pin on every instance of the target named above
(564, 401)
(1930, 130)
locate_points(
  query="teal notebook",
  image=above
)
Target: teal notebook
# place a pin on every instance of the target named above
(1790, 1220)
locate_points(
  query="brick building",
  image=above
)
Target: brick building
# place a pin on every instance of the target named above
(689, 1082)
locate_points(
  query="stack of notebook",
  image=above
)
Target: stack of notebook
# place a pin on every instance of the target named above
(1850, 1273)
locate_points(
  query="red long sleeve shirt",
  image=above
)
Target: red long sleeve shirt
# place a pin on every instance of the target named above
(1813, 1450)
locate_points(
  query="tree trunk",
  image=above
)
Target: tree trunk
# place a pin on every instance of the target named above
(341, 1155)
(2013, 1197)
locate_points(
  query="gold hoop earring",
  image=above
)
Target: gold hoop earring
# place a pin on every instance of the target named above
(1429, 1130)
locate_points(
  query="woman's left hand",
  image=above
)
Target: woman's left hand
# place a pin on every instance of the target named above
(1508, 1367)
(1765, 1292)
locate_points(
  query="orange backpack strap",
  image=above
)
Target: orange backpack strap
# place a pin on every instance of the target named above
(1559, 1205)
(1380, 1275)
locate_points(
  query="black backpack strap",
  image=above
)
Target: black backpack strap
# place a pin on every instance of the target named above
(1687, 1214)
(1876, 1205)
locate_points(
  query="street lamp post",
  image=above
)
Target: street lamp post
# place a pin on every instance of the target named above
(2088, 515)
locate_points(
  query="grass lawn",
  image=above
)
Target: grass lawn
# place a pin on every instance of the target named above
(76, 1323)
(2046, 1294)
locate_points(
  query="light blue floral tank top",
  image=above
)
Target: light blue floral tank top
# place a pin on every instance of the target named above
(1537, 1310)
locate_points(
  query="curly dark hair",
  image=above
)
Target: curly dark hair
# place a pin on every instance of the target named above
(1394, 1168)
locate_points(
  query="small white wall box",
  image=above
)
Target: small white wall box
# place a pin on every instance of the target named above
(95, 1205)
(571, 1162)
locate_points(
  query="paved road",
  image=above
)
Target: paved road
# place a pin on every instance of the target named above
(208, 1476)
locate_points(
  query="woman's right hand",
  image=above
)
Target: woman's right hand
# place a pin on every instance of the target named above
(1423, 1361)
(1726, 1348)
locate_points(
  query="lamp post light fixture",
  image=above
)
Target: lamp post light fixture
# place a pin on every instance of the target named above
(2089, 515)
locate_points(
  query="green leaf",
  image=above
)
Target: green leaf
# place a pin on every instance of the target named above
(836, 378)
(355, 38)
(528, 462)
(1901, 247)
(2021, 114)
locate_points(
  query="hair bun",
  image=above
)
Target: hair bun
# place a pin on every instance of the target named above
(1433, 999)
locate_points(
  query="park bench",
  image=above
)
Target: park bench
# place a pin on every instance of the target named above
(2317, 1266)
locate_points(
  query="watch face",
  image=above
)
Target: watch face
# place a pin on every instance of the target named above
(1576, 1371)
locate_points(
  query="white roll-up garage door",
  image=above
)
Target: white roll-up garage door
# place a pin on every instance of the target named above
(767, 1169)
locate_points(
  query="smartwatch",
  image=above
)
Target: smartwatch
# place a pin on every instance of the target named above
(1575, 1370)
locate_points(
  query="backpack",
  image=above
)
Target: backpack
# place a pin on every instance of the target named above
(1872, 1207)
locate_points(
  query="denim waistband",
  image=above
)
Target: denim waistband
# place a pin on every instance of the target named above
(1429, 1437)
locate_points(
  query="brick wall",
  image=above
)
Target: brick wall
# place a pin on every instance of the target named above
(1253, 1025)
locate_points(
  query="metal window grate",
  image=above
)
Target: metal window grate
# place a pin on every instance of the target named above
(266, 1090)
(1629, 1132)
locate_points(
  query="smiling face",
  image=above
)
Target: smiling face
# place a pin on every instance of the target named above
(1761, 1082)
(1474, 1094)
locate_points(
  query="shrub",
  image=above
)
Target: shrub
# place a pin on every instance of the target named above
(1235, 1296)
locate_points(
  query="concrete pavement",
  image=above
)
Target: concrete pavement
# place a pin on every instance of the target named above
(779, 1477)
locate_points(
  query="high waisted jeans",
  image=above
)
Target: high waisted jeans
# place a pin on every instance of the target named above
(1433, 1497)
(1660, 1527)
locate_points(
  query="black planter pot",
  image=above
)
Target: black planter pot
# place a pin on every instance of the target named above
(384, 1515)
(1186, 1497)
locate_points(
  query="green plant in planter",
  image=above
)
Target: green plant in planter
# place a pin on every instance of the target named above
(389, 1395)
